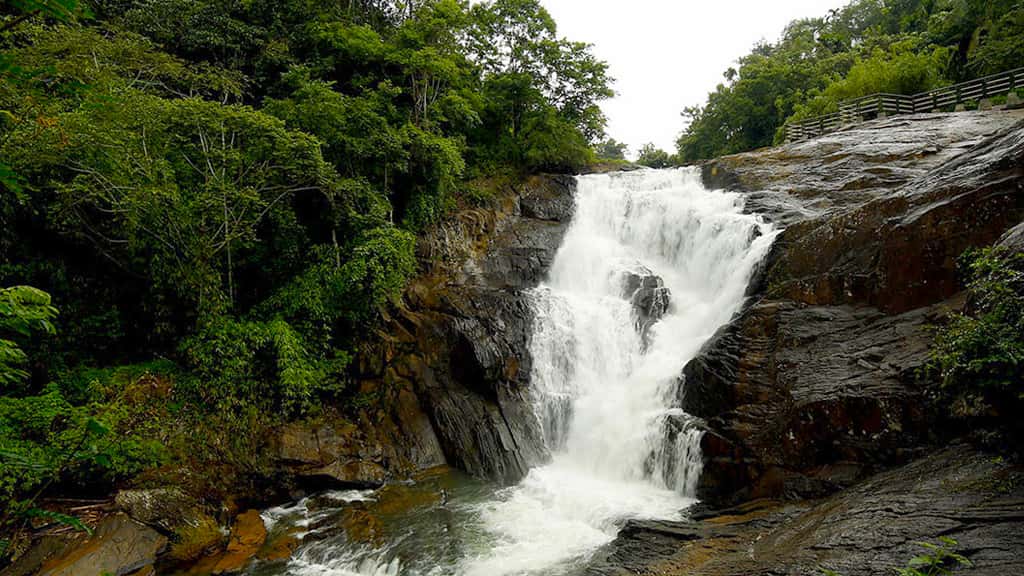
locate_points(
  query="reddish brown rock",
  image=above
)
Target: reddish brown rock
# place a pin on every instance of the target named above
(247, 537)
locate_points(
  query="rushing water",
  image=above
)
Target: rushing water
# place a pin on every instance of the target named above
(604, 382)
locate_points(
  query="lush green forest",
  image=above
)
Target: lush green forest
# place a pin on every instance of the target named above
(211, 200)
(869, 46)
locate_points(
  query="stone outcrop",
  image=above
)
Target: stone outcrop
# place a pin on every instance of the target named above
(458, 345)
(1014, 239)
(815, 384)
(331, 451)
(649, 296)
(119, 546)
(871, 529)
(165, 509)
(247, 537)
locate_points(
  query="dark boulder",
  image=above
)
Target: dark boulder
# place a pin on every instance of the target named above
(872, 528)
(815, 383)
(1013, 240)
(649, 296)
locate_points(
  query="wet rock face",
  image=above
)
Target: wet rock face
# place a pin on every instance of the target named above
(790, 391)
(649, 296)
(459, 346)
(842, 170)
(867, 530)
(814, 385)
(1014, 239)
(247, 536)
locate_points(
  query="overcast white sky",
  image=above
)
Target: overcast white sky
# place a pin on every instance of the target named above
(668, 54)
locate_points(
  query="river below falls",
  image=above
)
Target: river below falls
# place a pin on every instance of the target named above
(651, 266)
(443, 523)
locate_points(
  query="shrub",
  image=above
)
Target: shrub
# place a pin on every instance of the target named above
(23, 310)
(940, 560)
(981, 351)
(237, 363)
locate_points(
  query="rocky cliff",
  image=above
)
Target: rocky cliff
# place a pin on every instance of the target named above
(814, 386)
(454, 356)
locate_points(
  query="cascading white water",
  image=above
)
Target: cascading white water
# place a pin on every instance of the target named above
(606, 393)
(651, 265)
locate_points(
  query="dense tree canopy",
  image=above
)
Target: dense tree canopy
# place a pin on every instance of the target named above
(868, 46)
(653, 157)
(236, 187)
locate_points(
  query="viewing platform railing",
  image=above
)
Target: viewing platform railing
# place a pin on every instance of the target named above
(882, 105)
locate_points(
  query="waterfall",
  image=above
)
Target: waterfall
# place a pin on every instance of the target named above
(652, 264)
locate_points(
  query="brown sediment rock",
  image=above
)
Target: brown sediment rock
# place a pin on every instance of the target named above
(247, 537)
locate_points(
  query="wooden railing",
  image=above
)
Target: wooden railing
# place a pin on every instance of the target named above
(882, 105)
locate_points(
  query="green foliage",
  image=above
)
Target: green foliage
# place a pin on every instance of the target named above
(247, 363)
(940, 560)
(896, 46)
(653, 157)
(541, 91)
(982, 351)
(46, 439)
(59, 10)
(611, 149)
(358, 133)
(23, 311)
(902, 69)
(173, 189)
(58, 518)
(436, 164)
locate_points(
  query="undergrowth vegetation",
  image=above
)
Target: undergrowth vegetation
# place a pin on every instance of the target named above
(978, 357)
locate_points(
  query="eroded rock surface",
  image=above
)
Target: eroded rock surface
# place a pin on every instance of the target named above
(975, 498)
(814, 385)
(460, 343)
(163, 508)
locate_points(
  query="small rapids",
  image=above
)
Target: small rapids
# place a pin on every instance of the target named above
(651, 265)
